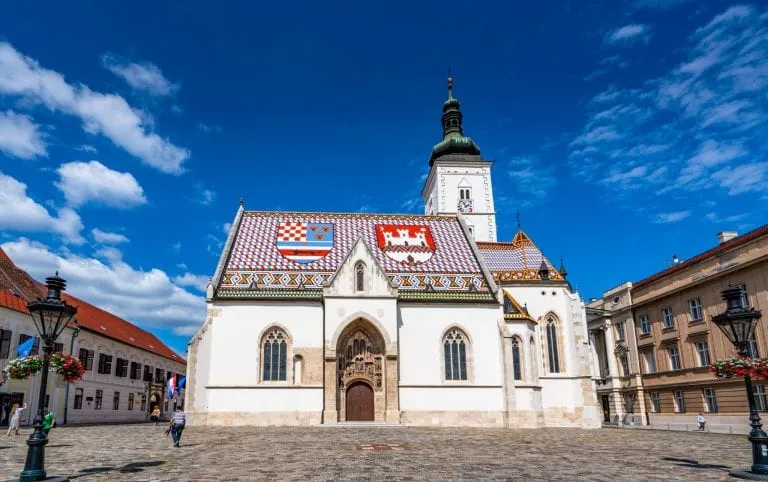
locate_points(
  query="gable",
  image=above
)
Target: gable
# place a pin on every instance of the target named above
(301, 252)
(519, 260)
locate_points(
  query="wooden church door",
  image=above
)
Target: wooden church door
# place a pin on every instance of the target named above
(359, 402)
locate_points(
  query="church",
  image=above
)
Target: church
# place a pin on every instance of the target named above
(423, 320)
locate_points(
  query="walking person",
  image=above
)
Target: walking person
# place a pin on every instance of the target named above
(16, 412)
(178, 420)
(701, 421)
(49, 421)
(155, 415)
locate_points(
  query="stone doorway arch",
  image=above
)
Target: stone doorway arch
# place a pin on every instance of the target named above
(362, 366)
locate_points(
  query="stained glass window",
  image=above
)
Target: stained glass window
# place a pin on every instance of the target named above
(275, 352)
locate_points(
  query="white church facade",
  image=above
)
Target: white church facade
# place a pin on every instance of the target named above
(326, 318)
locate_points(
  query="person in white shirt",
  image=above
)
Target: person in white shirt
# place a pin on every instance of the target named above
(16, 412)
(701, 421)
(176, 425)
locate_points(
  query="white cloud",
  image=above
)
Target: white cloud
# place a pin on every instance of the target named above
(208, 128)
(531, 180)
(19, 136)
(628, 33)
(87, 148)
(106, 237)
(176, 247)
(691, 129)
(141, 76)
(106, 114)
(85, 182)
(198, 281)
(19, 212)
(147, 298)
(672, 217)
(204, 196)
(226, 228)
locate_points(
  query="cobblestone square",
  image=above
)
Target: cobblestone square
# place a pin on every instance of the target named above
(143, 452)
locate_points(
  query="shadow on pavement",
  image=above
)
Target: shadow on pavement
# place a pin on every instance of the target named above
(131, 468)
(694, 464)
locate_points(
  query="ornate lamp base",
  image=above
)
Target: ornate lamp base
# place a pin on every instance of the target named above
(746, 474)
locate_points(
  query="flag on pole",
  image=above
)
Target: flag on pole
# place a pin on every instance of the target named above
(171, 386)
(25, 348)
(182, 382)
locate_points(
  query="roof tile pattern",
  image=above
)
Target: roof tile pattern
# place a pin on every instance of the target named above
(13, 302)
(15, 280)
(519, 260)
(256, 261)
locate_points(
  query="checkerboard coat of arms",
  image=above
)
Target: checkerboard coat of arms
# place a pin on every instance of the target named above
(304, 242)
(405, 243)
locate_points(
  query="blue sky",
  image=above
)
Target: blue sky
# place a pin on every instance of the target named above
(624, 132)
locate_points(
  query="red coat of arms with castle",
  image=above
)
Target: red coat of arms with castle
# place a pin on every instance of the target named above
(406, 243)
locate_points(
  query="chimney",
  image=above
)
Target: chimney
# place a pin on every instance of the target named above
(725, 236)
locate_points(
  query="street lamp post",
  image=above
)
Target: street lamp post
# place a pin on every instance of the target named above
(738, 324)
(50, 316)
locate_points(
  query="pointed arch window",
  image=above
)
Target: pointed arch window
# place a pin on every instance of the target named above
(517, 368)
(552, 345)
(455, 355)
(274, 354)
(360, 277)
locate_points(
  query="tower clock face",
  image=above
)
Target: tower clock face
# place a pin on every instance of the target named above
(465, 206)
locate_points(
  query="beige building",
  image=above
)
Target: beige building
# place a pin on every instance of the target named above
(616, 367)
(677, 340)
(126, 367)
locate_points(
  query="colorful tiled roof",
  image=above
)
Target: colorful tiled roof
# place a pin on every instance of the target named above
(519, 260)
(106, 324)
(302, 251)
(513, 310)
(721, 248)
(13, 302)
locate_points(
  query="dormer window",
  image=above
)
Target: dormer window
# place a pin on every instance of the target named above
(360, 277)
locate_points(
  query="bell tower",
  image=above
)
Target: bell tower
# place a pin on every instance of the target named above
(459, 180)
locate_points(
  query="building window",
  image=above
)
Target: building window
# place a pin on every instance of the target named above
(629, 402)
(455, 355)
(674, 357)
(694, 307)
(143, 402)
(759, 394)
(86, 358)
(116, 401)
(130, 401)
(625, 365)
(359, 277)
(5, 343)
(135, 370)
(105, 364)
(35, 344)
(471, 230)
(655, 402)
(680, 401)
(620, 335)
(710, 401)
(465, 193)
(159, 373)
(99, 396)
(516, 367)
(754, 352)
(668, 319)
(650, 361)
(165, 406)
(702, 347)
(58, 347)
(121, 369)
(148, 373)
(78, 398)
(274, 352)
(744, 296)
(552, 346)
(645, 325)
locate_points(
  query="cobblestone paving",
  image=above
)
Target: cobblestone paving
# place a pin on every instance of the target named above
(142, 452)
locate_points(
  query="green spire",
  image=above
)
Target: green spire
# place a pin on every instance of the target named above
(454, 141)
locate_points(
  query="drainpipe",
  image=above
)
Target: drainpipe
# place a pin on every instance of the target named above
(75, 334)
